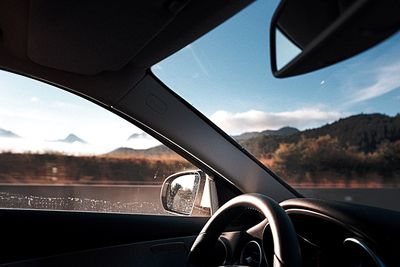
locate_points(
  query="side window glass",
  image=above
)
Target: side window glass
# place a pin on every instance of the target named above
(61, 152)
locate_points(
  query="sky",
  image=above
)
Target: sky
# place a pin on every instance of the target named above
(226, 75)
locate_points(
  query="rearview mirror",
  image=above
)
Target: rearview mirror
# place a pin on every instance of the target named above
(187, 193)
(312, 34)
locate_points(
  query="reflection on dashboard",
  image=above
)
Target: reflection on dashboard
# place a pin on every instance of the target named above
(360, 254)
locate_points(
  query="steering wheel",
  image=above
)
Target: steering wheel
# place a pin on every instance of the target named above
(286, 246)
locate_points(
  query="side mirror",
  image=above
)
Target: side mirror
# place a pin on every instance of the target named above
(312, 34)
(187, 193)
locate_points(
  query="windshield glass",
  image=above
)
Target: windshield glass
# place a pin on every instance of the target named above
(338, 127)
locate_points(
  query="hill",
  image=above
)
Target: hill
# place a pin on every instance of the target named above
(365, 132)
(126, 152)
(358, 151)
(285, 131)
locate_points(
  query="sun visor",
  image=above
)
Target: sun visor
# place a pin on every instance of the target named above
(87, 37)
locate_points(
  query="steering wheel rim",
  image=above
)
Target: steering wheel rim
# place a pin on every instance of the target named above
(286, 246)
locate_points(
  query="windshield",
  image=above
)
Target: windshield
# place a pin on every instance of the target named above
(338, 127)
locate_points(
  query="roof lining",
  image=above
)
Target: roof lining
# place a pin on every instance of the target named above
(194, 20)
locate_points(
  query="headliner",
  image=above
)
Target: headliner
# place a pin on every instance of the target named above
(101, 49)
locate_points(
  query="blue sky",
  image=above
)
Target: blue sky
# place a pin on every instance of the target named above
(226, 75)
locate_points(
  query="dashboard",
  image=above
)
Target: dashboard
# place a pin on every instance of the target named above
(329, 234)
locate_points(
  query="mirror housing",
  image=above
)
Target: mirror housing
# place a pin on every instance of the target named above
(187, 193)
(329, 31)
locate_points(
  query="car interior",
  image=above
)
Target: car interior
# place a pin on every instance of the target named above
(103, 51)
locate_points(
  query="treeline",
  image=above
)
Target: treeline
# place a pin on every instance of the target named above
(365, 132)
(57, 168)
(324, 161)
(361, 150)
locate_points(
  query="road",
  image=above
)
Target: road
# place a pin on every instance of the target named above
(146, 198)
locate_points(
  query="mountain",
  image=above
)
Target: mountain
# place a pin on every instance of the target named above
(137, 136)
(72, 138)
(6, 133)
(125, 152)
(285, 131)
(363, 131)
(153, 151)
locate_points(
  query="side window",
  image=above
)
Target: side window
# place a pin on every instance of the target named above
(61, 152)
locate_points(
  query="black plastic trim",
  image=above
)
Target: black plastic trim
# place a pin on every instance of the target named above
(225, 135)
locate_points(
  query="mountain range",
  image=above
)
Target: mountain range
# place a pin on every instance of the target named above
(71, 138)
(364, 132)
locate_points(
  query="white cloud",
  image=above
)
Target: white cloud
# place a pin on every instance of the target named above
(34, 99)
(386, 80)
(255, 120)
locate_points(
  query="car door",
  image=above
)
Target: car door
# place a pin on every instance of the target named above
(81, 186)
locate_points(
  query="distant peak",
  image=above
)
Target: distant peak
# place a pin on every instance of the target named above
(72, 138)
(137, 136)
